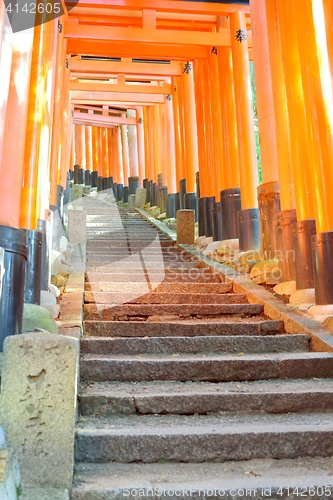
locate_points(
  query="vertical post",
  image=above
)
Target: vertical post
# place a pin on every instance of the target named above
(249, 236)
(178, 129)
(150, 131)
(111, 164)
(100, 151)
(190, 122)
(133, 145)
(170, 146)
(157, 142)
(141, 143)
(5, 68)
(15, 128)
(105, 168)
(125, 150)
(89, 155)
(36, 107)
(146, 140)
(216, 121)
(119, 155)
(94, 137)
(67, 136)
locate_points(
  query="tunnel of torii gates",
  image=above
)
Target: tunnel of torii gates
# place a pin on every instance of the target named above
(157, 93)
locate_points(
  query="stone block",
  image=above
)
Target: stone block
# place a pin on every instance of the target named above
(140, 197)
(185, 227)
(77, 226)
(76, 192)
(131, 201)
(38, 406)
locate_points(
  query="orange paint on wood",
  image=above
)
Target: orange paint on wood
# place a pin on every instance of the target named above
(215, 98)
(170, 145)
(89, 153)
(100, 152)
(150, 133)
(94, 140)
(105, 154)
(141, 143)
(177, 130)
(125, 152)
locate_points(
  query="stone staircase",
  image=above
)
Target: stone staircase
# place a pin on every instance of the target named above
(187, 390)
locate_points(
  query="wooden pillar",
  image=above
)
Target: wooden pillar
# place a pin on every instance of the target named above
(302, 151)
(318, 98)
(59, 102)
(119, 156)
(157, 142)
(105, 156)
(146, 140)
(67, 137)
(228, 114)
(100, 152)
(282, 125)
(43, 36)
(170, 145)
(244, 111)
(125, 151)
(150, 131)
(80, 145)
(141, 143)
(15, 128)
(94, 139)
(133, 146)
(177, 128)
(190, 122)
(328, 10)
(5, 69)
(265, 102)
(110, 154)
(215, 99)
(163, 145)
(89, 155)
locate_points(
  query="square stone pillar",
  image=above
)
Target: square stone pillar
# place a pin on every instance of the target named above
(77, 220)
(185, 227)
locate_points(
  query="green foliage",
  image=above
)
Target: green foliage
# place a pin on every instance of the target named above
(255, 116)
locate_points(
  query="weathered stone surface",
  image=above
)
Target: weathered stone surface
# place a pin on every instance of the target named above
(77, 226)
(204, 438)
(38, 405)
(204, 480)
(45, 494)
(215, 368)
(306, 296)
(204, 344)
(131, 201)
(76, 193)
(35, 317)
(185, 227)
(164, 298)
(180, 328)
(190, 398)
(316, 364)
(92, 311)
(140, 198)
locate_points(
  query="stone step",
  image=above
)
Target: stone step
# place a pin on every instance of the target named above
(131, 277)
(136, 263)
(111, 268)
(253, 479)
(224, 326)
(195, 345)
(164, 298)
(187, 288)
(202, 438)
(189, 398)
(205, 368)
(127, 240)
(105, 311)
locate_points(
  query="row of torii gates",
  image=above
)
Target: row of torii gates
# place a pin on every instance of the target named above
(160, 91)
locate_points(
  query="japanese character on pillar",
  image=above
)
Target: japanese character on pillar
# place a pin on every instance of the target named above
(213, 50)
(188, 68)
(240, 36)
(168, 97)
(140, 120)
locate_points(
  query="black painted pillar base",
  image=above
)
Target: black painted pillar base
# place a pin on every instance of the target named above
(230, 200)
(248, 229)
(303, 230)
(322, 253)
(284, 244)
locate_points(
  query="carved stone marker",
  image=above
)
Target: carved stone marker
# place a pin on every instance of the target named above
(140, 197)
(77, 226)
(185, 227)
(38, 407)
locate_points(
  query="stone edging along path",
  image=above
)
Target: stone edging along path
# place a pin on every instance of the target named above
(294, 321)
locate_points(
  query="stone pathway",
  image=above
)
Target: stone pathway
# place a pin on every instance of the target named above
(187, 390)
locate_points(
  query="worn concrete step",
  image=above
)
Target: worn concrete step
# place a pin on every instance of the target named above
(136, 263)
(256, 479)
(190, 398)
(188, 288)
(209, 367)
(108, 237)
(171, 277)
(198, 438)
(223, 326)
(105, 311)
(164, 298)
(195, 345)
(112, 268)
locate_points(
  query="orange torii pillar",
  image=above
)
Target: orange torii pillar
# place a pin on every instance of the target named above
(105, 158)
(170, 156)
(230, 194)
(89, 154)
(150, 152)
(328, 11)
(15, 128)
(65, 166)
(248, 222)
(191, 138)
(80, 154)
(318, 99)
(56, 190)
(100, 159)
(146, 140)
(94, 149)
(207, 177)
(125, 152)
(73, 152)
(302, 149)
(268, 191)
(163, 182)
(141, 143)
(40, 66)
(157, 153)
(120, 160)
(5, 68)
(180, 166)
(133, 154)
